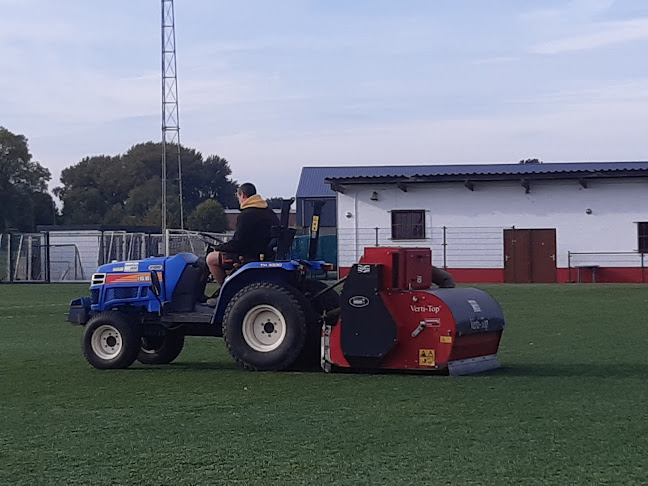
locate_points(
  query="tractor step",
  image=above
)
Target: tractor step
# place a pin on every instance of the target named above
(202, 315)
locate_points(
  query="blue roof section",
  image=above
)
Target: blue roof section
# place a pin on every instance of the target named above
(312, 181)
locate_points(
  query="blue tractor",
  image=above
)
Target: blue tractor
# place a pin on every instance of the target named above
(269, 311)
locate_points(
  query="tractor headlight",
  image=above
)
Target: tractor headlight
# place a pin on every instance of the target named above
(98, 279)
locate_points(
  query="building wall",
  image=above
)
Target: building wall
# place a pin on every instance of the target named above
(616, 205)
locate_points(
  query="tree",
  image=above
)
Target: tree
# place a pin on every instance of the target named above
(530, 161)
(24, 201)
(209, 180)
(209, 215)
(126, 189)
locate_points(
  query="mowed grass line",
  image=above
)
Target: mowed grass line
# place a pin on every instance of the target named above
(568, 406)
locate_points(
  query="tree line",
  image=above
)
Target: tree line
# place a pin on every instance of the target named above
(124, 189)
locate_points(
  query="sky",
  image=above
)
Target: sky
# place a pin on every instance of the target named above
(277, 86)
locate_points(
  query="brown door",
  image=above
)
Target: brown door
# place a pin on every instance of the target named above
(543, 256)
(517, 264)
(530, 255)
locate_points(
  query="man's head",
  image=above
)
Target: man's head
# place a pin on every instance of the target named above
(244, 191)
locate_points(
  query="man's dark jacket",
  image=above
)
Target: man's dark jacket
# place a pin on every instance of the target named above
(252, 235)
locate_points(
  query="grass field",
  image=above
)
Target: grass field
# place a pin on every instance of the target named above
(569, 406)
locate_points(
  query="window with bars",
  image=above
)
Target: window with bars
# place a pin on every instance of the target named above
(408, 224)
(642, 232)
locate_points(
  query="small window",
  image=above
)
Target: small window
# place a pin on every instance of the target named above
(408, 225)
(642, 231)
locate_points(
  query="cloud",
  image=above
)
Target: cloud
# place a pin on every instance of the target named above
(603, 35)
(630, 92)
(576, 10)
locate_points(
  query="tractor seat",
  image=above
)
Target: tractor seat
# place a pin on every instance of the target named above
(281, 240)
(278, 248)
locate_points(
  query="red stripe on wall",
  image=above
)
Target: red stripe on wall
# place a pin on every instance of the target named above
(564, 275)
(607, 275)
(477, 275)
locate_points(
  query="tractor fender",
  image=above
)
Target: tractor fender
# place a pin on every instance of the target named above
(80, 311)
(282, 273)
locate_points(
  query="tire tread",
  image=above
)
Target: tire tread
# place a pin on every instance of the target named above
(292, 354)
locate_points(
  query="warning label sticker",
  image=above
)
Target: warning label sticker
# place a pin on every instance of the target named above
(426, 357)
(446, 339)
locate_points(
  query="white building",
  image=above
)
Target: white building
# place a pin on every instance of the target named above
(553, 222)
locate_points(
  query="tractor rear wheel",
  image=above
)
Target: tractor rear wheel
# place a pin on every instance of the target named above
(161, 349)
(264, 327)
(110, 341)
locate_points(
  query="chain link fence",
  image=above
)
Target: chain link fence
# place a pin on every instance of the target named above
(73, 256)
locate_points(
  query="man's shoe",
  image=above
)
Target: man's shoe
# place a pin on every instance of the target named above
(213, 300)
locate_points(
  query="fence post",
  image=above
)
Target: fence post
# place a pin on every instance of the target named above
(9, 272)
(377, 236)
(445, 244)
(513, 242)
(47, 268)
(569, 280)
(101, 258)
(29, 258)
(17, 267)
(643, 275)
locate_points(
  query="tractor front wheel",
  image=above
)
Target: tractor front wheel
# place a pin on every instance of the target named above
(110, 341)
(265, 327)
(161, 349)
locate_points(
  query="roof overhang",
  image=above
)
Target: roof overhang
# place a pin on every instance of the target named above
(339, 184)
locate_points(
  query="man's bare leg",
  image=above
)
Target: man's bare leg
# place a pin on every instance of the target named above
(213, 262)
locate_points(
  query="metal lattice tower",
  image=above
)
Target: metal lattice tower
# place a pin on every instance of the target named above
(170, 112)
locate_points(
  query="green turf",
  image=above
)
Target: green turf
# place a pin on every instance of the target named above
(569, 406)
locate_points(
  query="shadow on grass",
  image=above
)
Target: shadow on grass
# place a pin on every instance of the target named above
(192, 366)
(540, 370)
(584, 370)
(223, 366)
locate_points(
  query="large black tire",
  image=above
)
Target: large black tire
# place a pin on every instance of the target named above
(110, 341)
(161, 349)
(264, 327)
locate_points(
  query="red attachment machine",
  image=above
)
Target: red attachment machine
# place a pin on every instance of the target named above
(391, 318)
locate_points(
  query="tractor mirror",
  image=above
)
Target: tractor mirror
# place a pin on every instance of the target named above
(156, 288)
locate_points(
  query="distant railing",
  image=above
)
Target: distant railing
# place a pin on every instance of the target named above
(602, 259)
(452, 246)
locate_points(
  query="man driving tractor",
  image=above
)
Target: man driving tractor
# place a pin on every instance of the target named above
(251, 237)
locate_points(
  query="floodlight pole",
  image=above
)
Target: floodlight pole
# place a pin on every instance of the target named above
(170, 111)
